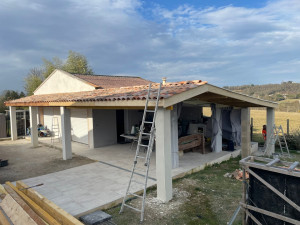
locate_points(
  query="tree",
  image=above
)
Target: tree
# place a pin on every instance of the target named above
(33, 80)
(8, 95)
(50, 66)
(75, 63)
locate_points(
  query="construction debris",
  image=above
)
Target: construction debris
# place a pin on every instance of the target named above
(22, 205)
(237, 174)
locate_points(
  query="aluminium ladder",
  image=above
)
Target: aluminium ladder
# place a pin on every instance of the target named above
(55, 129)
(278, 135)
(149, 147)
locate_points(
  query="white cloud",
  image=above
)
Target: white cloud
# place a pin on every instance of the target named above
(227, 45)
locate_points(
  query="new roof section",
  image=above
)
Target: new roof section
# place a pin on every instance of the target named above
(134, 96)
(109, 81)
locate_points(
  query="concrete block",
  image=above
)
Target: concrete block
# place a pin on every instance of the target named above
(95, 218)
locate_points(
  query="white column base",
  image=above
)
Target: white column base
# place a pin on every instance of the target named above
(245, 123)
(13, 123)
(163, 155)
(33, 111)
(65, 115)
(270, 124)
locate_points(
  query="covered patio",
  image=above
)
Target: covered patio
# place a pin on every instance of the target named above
(102, 184)
(101, 106)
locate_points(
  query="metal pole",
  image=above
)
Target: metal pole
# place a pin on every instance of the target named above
(288, 127)
(251, 127)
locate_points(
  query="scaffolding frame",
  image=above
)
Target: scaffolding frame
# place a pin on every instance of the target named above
(272, 165)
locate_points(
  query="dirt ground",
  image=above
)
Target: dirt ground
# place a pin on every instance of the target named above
(26, 162)
(205, 197)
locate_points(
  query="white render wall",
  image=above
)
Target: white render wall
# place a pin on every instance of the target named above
(62, 82)
(49, 113)
(79, 125)
(105, 127)
(79, 122)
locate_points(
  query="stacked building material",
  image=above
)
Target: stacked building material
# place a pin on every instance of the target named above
(21, 205)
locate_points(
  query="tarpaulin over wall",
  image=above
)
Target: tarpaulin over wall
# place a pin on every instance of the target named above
(226, 125)
(231, 125)
(216, 135)
(235, 118)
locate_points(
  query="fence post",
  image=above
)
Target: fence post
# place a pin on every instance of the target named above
(288, 127)
(251, 129)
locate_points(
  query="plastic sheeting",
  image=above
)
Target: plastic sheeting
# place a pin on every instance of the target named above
(235, 118)
(216, 135)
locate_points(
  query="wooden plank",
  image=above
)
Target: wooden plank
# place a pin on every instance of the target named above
(281, 170)
(268, 213)
(293, 204)
(15, 212)
(62, 216)
(35, 207)
(23, 204)
(2, 190)
(3, 219)
(253, 217)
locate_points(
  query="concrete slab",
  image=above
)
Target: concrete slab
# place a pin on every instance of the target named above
(101, 184)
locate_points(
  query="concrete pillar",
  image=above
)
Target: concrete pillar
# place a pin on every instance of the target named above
(270, 124)
(163, 155)
(90, 128)
(174, 138)
(13, 123)
(245, 123)
(65, 115)
(33, 126)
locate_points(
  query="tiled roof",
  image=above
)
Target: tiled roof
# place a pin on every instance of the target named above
(107, 81)
(113, 94)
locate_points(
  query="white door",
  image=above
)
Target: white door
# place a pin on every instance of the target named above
(79, 125)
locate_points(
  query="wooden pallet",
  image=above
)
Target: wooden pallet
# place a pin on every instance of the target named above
(22, 205)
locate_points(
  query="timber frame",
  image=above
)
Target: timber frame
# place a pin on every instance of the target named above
(273, 166)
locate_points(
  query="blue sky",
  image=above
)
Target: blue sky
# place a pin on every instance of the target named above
(222, 42)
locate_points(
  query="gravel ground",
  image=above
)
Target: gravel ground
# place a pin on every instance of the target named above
(26, 162)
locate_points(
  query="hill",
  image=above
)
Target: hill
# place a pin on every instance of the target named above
(287, 94)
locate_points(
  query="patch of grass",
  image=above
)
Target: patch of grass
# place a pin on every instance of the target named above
(259, 119)
(205, 197)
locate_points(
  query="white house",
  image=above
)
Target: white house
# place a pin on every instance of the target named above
(95, 110)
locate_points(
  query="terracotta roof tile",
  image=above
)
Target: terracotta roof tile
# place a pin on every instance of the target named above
(107, 81)
(113, 94)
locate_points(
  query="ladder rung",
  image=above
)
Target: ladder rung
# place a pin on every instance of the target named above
(132, 208)
(137, 182)
(144, 145)
(293, 166)
(148, 122)
(273, 162)
(135, 195)
(150, 110)
(146, 134)
(142, 157)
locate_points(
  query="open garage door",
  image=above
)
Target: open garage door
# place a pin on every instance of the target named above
(79, 125)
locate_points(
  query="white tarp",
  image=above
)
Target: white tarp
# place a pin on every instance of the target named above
(216, 137)
(235, 118)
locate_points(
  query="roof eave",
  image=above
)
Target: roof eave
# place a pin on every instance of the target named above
(217, 90)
